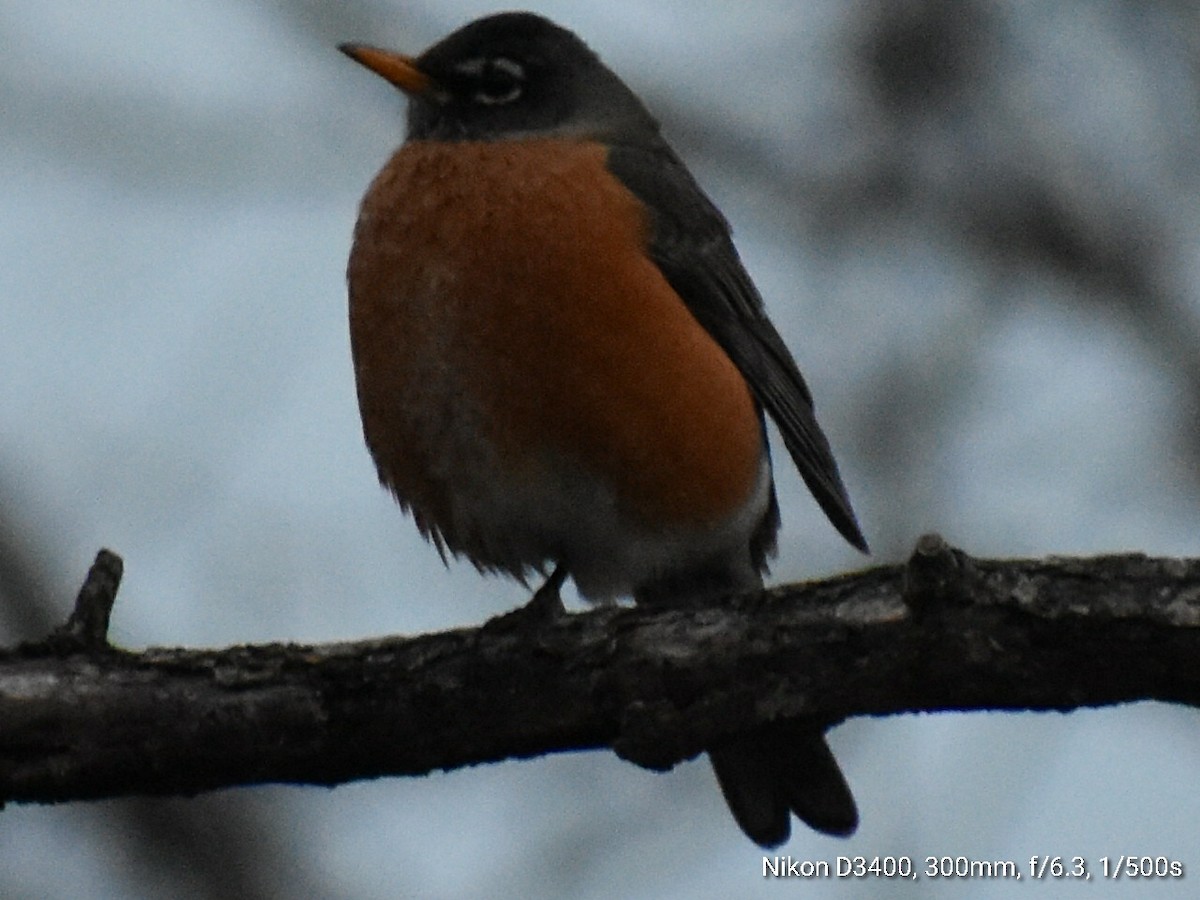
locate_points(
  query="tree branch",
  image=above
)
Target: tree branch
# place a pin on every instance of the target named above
(943, 632)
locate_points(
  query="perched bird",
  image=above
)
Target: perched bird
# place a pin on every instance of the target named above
(563, 366)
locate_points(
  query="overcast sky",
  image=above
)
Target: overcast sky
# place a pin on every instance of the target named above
(975, 225)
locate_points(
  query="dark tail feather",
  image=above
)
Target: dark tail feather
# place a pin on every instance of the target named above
(779, 769)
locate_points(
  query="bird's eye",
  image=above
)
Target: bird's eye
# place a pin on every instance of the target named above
(496, 80)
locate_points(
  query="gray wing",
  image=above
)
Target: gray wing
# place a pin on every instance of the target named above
(691, 244)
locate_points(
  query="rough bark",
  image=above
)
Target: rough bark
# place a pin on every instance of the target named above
(80, 719)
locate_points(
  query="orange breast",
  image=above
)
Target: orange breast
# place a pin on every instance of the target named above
(500, 294)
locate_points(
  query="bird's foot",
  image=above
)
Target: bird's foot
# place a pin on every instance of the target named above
(544, 608)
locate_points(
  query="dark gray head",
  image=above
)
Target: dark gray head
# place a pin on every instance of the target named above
(511, 75)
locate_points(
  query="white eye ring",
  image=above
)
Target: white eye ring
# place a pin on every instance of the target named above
(498, 99)
(509, 67)
(478, 67)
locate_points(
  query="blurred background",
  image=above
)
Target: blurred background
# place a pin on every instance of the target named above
(974, 223)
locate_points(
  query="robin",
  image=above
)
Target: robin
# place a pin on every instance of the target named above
(563, 366)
